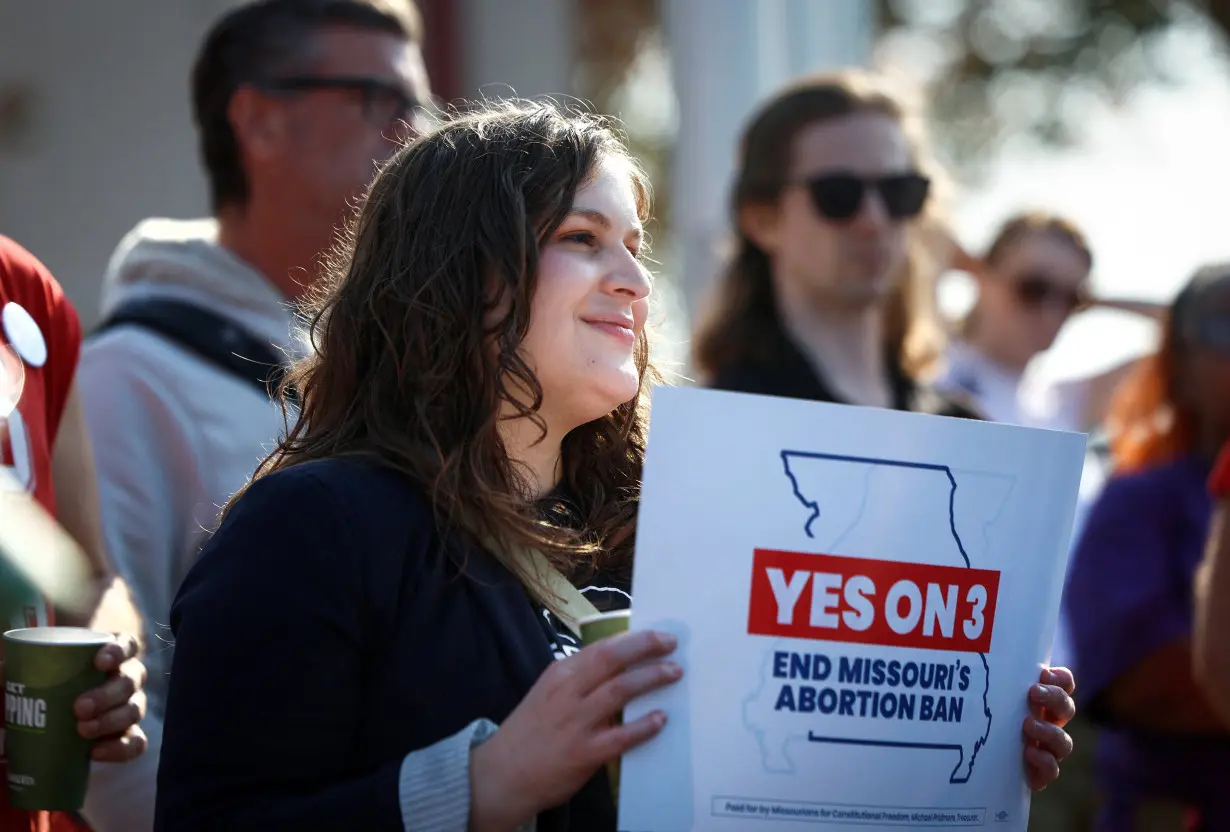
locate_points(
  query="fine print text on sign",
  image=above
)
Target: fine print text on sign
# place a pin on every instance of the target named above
(862, 599)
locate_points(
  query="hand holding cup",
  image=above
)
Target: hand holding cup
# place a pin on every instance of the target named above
(71, 695)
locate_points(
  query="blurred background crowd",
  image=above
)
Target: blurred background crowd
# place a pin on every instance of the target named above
(1111, 113)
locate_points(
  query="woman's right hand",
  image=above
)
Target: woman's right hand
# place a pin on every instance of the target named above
(565, 729)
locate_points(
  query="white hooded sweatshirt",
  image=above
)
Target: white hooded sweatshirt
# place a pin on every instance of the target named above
(174, 438)
(174, 435)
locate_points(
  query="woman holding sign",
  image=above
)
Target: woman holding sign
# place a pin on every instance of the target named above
(400, 577)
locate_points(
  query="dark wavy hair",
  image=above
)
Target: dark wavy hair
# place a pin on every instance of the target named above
(416, 327)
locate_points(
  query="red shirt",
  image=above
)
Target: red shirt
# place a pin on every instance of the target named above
(1219, 480)
(40, 327)
(25, 284)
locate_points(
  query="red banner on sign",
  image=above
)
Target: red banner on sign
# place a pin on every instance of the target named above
(863, 601)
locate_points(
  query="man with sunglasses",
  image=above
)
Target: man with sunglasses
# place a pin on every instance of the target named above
(828, 294)
(296, 103)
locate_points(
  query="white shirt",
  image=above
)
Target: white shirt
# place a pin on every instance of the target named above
(174, 436)
(1015, 398)
(1012, 397)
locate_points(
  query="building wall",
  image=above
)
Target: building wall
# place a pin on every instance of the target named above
(95, 127)
(521, 47)
(101, 135)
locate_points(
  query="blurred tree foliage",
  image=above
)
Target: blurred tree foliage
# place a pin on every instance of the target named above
(994, 69)
(1006, 67)
(609, 35)
(612, 35)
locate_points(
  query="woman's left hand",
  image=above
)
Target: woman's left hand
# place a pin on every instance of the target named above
(111, 713)
(1046, 743)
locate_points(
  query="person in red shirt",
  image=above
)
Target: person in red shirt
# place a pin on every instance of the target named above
(45, 452)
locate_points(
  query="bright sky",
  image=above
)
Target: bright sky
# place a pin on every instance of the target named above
(1151, 186)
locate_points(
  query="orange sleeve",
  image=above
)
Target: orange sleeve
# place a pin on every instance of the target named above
(1219, 480)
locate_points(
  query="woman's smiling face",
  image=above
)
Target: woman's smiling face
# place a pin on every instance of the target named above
(590, 302)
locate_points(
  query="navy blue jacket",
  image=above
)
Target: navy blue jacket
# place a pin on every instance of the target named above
(778, 367)
(325, 632)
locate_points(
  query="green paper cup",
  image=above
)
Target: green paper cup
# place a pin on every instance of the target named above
(603, 625)
(593, 629)
(45, 670)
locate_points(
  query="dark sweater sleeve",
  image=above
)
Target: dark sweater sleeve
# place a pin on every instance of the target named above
(265, 695)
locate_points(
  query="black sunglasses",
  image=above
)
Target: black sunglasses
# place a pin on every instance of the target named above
(383, 101)
(1036, 290)
(839, 196)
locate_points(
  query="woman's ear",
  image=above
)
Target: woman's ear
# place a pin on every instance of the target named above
(760, 222)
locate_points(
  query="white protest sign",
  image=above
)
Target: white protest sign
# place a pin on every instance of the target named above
(863, 598)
